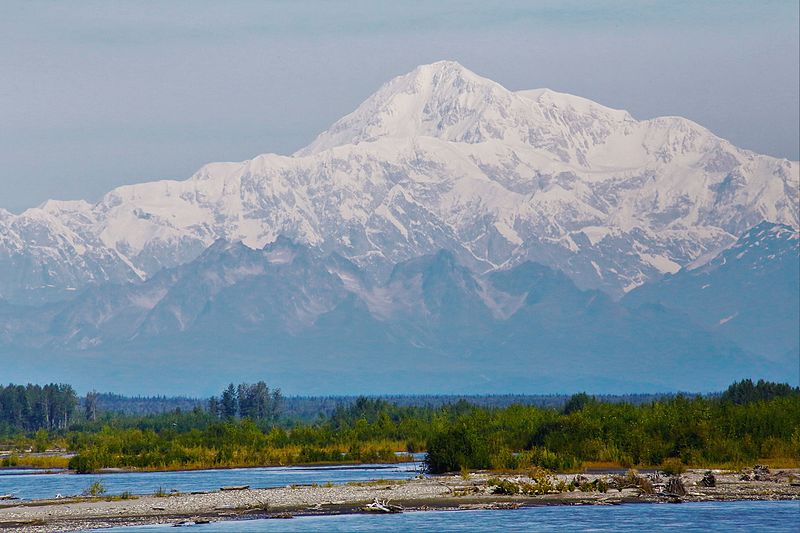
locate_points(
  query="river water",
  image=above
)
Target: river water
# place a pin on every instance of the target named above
(33, 484)
(696, 517)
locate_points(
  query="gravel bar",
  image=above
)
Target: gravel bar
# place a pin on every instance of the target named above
(428, 493)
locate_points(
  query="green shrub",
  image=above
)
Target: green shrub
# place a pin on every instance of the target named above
(539, 486)
(544, 458)
(460, 445)
(96, 488)
(41, 441)
(673, 467)
(84, 464)
(503, 486)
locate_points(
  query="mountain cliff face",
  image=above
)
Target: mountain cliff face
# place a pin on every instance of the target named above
(437, 159)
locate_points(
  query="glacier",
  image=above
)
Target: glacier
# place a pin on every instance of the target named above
(437, 159)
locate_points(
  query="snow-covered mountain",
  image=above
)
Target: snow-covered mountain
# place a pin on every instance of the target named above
(439, 158)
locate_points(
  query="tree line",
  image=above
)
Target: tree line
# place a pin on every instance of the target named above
(254, 401)
(746, 391)
(749, 422)
(28, 408)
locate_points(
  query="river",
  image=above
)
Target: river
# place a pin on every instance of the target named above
(34, 484)
(699, 517)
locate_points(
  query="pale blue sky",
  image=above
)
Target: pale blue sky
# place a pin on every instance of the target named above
(97, 94)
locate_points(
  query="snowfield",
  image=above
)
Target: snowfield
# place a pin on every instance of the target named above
(439, 158)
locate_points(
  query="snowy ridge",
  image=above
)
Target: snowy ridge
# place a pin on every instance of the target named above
(439, 158)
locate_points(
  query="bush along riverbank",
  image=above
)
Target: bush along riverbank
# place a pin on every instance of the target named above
(747, 424)
(670, 434)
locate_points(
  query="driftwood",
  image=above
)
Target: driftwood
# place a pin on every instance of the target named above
(8, 497)
(378, 506)
(579, 479)
(236, 487)
(445, 485)
(709, 479)
(759, 473)
(762, 473)
(675, 487)
(631, 480)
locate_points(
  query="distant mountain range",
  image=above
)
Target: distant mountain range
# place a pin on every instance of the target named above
(317, 321)
(449, 235)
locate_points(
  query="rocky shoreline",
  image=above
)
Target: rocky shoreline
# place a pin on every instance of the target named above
(478, 491)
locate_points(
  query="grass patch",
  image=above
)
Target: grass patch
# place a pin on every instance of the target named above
(541, 482)
(599, 465)
(36, 461)
(503, 486)
(119, 497)
(376, 482)
(466, 491)
(779, 462)
(673, 467)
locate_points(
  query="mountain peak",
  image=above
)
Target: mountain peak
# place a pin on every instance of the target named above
(447, 101)
(441, 75)
(441, 99)
(441, 66)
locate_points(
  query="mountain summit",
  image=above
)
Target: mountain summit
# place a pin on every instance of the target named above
(446, 101)
(439, 158)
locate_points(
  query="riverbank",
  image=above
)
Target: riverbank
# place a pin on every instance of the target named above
(479, 491)
(155, 470)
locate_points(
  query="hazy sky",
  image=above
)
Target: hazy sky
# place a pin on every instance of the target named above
(97, 94)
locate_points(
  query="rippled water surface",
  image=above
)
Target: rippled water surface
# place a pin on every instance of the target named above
(766, 517)
(33, 484)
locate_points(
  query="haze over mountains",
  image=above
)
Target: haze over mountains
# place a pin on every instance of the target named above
(749, 292)
(449, 235)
